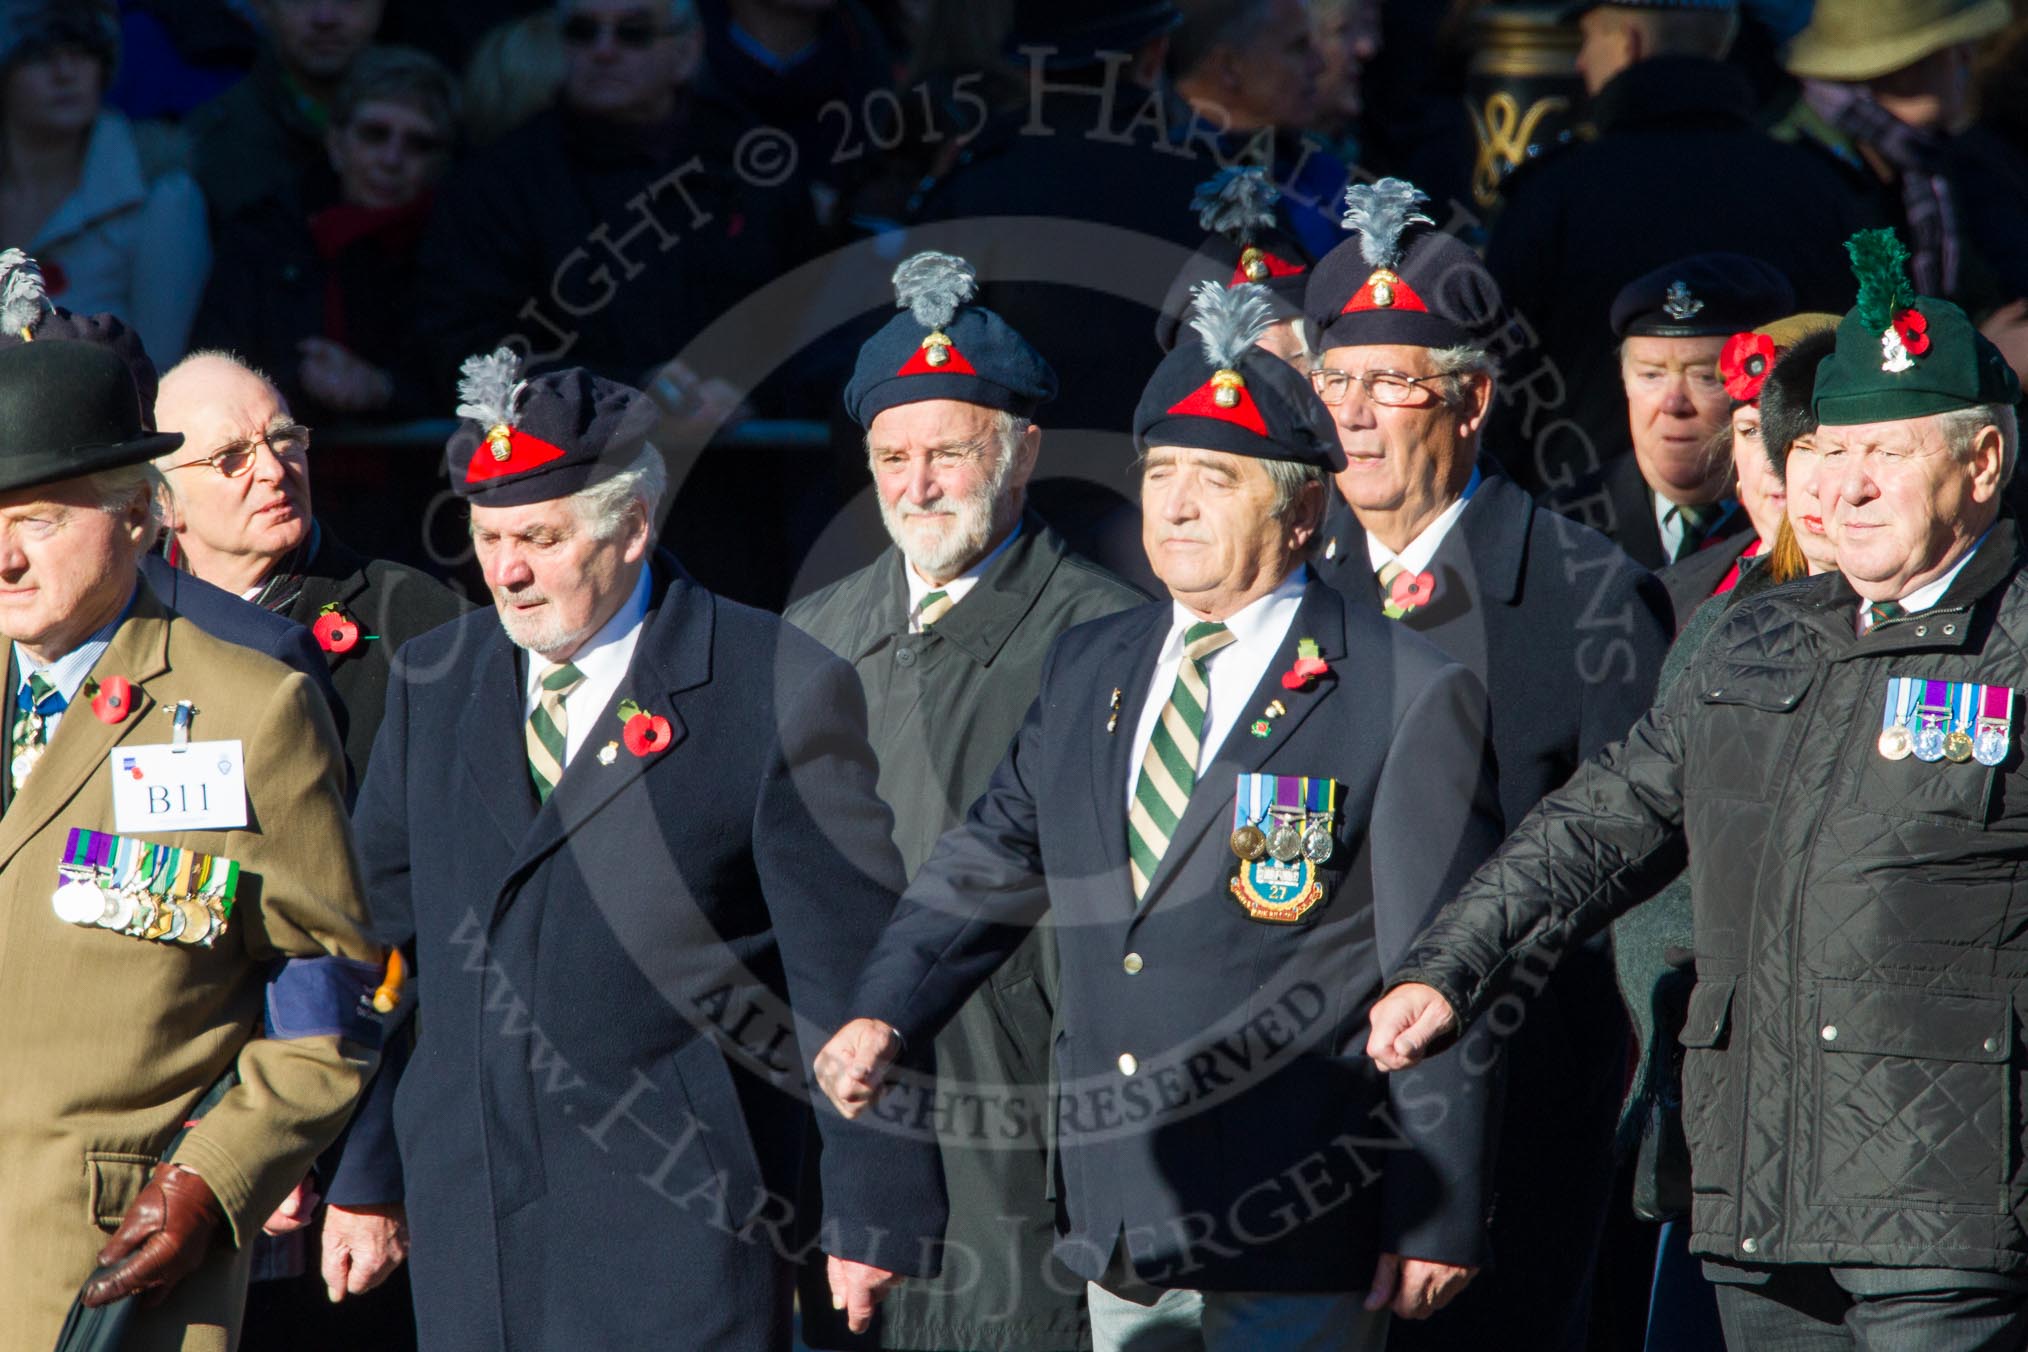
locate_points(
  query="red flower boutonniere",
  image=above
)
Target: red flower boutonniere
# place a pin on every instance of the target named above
(643, 732)
(112, 699)
(1406, 592)
(1744, 363)
(336, 631)
(1309, 666)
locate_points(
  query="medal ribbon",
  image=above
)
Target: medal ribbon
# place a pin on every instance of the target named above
(1936, 698)
(1996, 704)
(1964, 703)
(1249, 800)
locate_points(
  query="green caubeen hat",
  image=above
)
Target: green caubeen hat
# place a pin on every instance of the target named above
(1901, 355)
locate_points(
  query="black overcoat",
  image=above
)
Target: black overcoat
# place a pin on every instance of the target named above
(602, 1126)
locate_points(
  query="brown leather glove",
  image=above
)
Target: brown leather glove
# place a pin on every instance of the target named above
(161, 1240)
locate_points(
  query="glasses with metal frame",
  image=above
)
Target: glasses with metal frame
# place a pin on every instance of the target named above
(633, 32)
(286, 442)
(1391, 389)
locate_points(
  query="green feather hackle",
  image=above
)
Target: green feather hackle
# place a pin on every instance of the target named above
(1880, 262)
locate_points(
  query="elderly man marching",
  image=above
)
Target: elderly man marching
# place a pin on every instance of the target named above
(948, 630)
(176, 868)
(1233, 806)
(630, 831)
(1842, 763)
(1566, 632)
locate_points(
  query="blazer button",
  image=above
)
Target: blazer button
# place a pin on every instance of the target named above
(1749, 1245)
(1128, 1065)
(905, 656)
(1132, 962)
(1830, 1033)
(1992, 1044)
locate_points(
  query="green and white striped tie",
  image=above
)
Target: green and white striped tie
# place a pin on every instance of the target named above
(1169, 769)
(549, 727)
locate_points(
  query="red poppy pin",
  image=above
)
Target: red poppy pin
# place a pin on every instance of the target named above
(1309, 666)
(112, 699)
(643, 732)
(1406, 592)
(1744, 364)
(1914, 331)
(336, 631)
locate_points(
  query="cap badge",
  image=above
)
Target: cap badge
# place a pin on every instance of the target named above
(1903, 340)
(1226, 386)
(1383, 283)
(500, 441)
(936, 349)
(1253, 265)
(1679, 304)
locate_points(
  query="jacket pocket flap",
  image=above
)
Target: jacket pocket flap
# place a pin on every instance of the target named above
(114, 1180)
(1776, 687)
(1710, 1010)
(1928, 1025)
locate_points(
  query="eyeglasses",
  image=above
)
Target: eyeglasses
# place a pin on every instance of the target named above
(374, 135)
(633, 32)
(290, 442)
(1391, 389)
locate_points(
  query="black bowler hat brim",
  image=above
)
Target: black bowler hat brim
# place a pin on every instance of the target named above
(68, 409)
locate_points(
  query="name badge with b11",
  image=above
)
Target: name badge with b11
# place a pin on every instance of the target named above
(188, 786)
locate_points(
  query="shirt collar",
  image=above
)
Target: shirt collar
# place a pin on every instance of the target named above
(1927, 595)
(610, 648)
(1260, 616)
(1415, 558)
(68, 672)
(955, 589)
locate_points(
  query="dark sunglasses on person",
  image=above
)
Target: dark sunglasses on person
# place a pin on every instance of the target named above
(374, 135)
(634, 32)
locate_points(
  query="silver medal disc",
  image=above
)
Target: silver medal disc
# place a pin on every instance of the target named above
(1285, 842)
(1929, 743)
(1317, 842)
(1990, 746)
(78, 903)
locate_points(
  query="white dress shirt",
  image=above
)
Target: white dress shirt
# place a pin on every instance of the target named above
(1232, 672)
(956, 589)
(1423, 547)
(604, 660)
(1927, 595)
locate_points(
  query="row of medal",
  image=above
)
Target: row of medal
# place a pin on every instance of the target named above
(144, 890)
(1283, 817)
(1953, 721)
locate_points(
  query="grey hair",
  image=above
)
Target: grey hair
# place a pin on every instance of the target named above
(603, 507)
(682, 13)
(115, 490)
(1960, 428)
(1289, 478)
(1457, 365)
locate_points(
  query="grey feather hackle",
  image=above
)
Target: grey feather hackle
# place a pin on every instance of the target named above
(1237, 202)
(1380, 212)
(1230, 320)
(23, 298)
(486, 387)
(931, 286)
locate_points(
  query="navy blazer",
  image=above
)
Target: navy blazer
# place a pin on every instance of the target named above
(237, 620)
(1566, 632)
(603, 1123)
(1214, 1102)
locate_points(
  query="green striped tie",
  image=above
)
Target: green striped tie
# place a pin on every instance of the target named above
(1879, 612)
(549, 728)
(1169, 769)
(934, 607)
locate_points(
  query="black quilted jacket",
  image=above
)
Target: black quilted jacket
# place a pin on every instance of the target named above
(1853, 1081)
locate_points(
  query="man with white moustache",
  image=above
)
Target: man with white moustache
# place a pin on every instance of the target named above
(948, 630)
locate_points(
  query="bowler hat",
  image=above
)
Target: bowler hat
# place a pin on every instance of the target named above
(1862, 39)
(68, 409)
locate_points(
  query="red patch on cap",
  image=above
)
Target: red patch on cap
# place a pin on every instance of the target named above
(1203, 403)
(1404, 298)
(524, 452)
(919, 364)
(1276, 267)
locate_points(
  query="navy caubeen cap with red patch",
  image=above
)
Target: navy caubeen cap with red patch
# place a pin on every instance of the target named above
(546, 437)
(1225, 393)
(1399, 279)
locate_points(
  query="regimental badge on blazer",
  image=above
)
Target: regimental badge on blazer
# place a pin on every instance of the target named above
(1283, 831)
